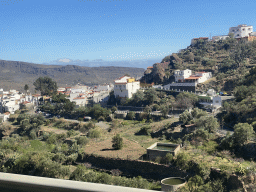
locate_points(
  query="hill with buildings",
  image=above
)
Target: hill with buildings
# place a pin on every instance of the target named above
(15, 74)
(227, 57)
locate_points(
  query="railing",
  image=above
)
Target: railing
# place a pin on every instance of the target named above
(24, 183)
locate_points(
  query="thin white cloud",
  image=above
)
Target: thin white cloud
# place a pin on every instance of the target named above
(65, 60)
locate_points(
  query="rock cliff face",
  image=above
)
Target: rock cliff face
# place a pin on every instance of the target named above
(15, 74)
(156, 74)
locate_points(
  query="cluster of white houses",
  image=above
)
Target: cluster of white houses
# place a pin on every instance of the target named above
(83, 95)
(10, 102)
(240, 32)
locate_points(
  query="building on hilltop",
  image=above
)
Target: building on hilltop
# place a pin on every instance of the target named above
(195, 40)
(241, 31)
(220, 37)
(126, 86)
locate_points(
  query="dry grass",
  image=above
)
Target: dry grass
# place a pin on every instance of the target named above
(104, 148)
(134, 145)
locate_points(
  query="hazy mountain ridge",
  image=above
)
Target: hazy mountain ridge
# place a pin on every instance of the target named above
(15, 74)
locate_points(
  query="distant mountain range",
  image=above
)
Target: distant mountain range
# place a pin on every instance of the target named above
(141, 63)
(15, 74)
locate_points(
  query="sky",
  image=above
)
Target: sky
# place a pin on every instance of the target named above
(115, 32)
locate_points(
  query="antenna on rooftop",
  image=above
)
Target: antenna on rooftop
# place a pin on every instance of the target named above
(210, 36)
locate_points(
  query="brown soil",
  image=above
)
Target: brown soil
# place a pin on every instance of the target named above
(131, 150)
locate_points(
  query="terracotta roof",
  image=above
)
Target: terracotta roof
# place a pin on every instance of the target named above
(196, 77)
(7, 113)
(25, 102)
(36, 95)
(203, 38)
(150, 67)
(79, 98)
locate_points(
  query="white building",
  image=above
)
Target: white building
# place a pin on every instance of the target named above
(204, 76)
(210, 100)
(199, 77)
(125, 87)
(181, 75)
(104, 88)
(79, 98)
(241, 31)
(4, 117)
(220, 37)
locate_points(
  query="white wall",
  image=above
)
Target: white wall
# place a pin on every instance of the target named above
(203, 76)
(216, 101)
(126, 89)
(182, 74)
(241, 31)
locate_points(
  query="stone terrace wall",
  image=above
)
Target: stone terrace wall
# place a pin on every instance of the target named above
(134, 167)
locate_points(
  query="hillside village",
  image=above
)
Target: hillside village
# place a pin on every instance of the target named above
(191, 117)
(125, 87)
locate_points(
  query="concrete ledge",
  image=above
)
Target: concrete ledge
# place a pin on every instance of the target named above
(24, 183)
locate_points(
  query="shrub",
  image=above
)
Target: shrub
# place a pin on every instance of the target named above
(169, 157)
(117, 141)
(109, 119)
(94, 133)
(80, 119)
(144, 131)
(158, 159)
(47, 122)
(130, 115)
(71, 133)
(101, 118)
(82, 140)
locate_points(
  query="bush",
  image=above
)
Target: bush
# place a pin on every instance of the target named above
(117, 141)
(82, 140)
(158, 159)
(109, 119)
(80, 119)
(47, 122)
(94, 133)
(144, 131)
(101, 118)
(130, 115)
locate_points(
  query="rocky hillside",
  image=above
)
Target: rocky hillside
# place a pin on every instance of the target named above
(15, 74)
(228, 60)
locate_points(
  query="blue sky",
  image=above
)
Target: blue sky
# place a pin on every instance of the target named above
(75, 31)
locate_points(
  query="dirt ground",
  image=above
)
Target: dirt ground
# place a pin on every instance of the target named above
(131, 150)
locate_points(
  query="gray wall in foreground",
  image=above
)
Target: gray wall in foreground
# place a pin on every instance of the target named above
(24, 183)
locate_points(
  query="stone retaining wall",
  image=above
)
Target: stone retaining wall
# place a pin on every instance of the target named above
(135, 168)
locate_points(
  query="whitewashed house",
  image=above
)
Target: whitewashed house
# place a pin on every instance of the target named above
(4, 117)
(199, 77)
(181, 75)
(125, 87)
(241, 31)
(210, 100)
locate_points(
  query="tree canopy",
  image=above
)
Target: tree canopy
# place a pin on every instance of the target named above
(46, 86)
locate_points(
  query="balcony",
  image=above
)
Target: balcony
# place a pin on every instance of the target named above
(24, 183)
